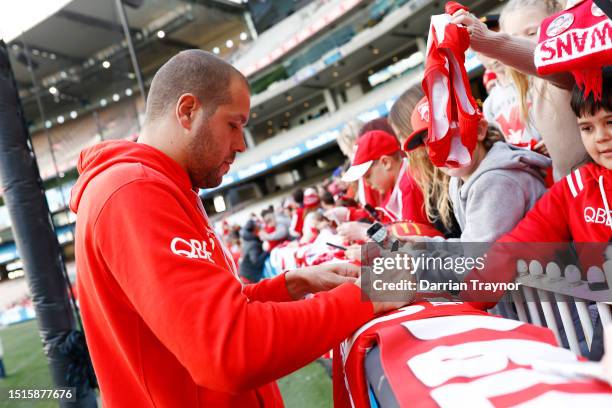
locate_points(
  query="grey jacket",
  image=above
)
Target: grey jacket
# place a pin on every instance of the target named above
(503, 188)
(497, 196)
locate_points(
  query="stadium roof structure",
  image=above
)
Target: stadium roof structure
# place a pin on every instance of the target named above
(402, 31)
(67, 49)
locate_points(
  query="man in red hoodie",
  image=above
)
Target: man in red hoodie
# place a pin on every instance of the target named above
(167, 320)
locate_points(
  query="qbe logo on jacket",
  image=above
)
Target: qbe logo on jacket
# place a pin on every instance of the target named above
(597, 216)
(192, 248)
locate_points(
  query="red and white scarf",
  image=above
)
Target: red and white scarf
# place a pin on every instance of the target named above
(579, 40)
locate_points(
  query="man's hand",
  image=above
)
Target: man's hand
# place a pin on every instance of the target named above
(353, 231)
(319, 278)
(387, 300)
(382, 307)
(363, 253)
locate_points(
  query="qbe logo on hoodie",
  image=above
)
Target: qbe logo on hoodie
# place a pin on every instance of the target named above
(597, 216)
(192, 248)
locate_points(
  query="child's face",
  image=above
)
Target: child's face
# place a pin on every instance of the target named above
(524, 22)
(477, 155)
(492, 64)
(465, 172)
(270, 220)
(596, 133)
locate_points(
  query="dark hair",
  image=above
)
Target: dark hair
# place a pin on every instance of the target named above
(298, 196)
(266, 211)
(328, 198)
(376, 124)
(493, 136)
(346, 202)
(250, 226)
(191, 71)
(583, 105)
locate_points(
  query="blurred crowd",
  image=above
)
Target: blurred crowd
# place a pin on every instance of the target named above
(523, 166)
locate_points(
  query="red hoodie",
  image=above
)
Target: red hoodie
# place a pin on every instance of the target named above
(168, 323)
(574, 209)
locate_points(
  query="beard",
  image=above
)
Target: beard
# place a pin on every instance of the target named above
(205, 160)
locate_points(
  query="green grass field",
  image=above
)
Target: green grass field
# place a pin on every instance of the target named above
(25, 363)
(27, 368)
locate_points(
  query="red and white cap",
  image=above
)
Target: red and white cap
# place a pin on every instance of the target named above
(419, 120)
(311, 198)
(370, 147)
(488, 77)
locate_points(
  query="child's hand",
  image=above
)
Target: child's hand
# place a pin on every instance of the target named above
(321, 225)
(353, 252)
(353, 231)
(337, 214)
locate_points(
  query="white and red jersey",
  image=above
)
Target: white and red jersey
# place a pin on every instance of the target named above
(272, 243)
(450, 355)
(297, 222)
(367, 195)
(454, 114)
(502, 109)
(406, 201)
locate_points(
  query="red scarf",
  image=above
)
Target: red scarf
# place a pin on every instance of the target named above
(579, 40)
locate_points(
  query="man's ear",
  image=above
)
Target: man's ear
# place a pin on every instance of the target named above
(483, 127)
(186, 108)
(386, 162)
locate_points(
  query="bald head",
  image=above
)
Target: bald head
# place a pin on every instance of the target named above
(193, 71)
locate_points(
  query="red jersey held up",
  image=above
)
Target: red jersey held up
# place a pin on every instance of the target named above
(167, 321)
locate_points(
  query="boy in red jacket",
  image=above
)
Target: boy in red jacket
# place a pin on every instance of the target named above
(577, 208)
(167, 320)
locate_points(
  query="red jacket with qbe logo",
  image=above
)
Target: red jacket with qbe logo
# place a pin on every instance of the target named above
(167, 321)
(576, 208)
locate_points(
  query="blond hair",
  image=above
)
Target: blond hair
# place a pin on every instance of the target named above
(348, 135)
(430, 179)
(520, 80)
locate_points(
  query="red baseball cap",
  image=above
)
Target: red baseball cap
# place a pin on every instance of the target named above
(488, 77)
(419, 120)
(370, 147)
